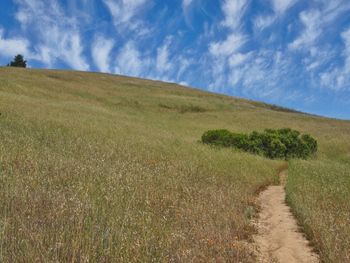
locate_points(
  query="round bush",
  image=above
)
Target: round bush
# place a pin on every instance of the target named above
(275, 144)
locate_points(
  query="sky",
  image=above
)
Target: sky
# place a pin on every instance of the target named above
(294, 53)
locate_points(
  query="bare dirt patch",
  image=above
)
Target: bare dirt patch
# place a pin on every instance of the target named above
(279, 238)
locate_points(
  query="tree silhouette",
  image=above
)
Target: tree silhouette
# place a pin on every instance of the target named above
(18, 61)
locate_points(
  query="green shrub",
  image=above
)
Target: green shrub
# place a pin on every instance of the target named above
(275, 144)
(240, 141)
(310, 142)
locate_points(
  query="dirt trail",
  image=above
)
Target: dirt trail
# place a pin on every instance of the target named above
(279, 239)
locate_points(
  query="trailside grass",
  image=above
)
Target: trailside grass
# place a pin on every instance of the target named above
(103, 168)
(318, 191)
(319, 194)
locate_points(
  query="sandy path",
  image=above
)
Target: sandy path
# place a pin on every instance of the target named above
(279, 239)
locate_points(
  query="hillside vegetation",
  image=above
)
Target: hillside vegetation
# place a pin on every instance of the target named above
(102, 168)
(274, 144)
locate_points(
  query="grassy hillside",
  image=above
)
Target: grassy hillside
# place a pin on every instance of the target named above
(100, 168)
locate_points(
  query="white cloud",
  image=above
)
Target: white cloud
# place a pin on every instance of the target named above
(334, 79)
(10, 47)
(332, 9)
(62, 45)
(318, 57)
(238, 59)
(58, 34)
(218, 76)
(346, 38)
(186, 3)
(234, 11)
(228, 46)
(281, 6)
(183, 64)
(101, 50)
(186, 6)
(312, 21)
(184, 83)
(315, 21)
(124, 12)
(261, 74)
(162, 62)
(130, 61)
(23, 17)
(71, 51)
(338, 78)
(163, 65)
(224, 52)
(262, 22)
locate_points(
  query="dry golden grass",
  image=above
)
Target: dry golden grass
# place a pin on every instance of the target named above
(101, 168)
(318, 193)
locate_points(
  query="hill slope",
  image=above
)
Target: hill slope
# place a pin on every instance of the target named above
(96, 167)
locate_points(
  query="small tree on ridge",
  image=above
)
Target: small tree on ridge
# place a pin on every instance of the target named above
(18, 61)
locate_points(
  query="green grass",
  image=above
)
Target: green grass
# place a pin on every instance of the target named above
(319, 192)
(102, 168)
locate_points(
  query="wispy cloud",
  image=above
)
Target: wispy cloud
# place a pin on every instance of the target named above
(227, 47)
(312, 42)
(262, 22)
(313, 28)
(58, 34)
(163, 64)
(130, 61)
(186, 3)
(234, 11)
(281, 6)
(13, 46)
(186, 8)
(262, 73)
(233, 14)
(316, 20)
(346, 37)
(338, 78)
(125, 12)
(226, 53)
(101, 53)
(71, 50)
(239, 59)
(318, 57)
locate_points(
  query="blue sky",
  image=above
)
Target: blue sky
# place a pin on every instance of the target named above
(294, 53)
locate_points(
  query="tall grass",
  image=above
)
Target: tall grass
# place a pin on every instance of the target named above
(318, 193)
(318, 190)
(94, 169)
(91, 170)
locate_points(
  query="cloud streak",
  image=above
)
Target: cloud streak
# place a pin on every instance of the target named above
(10, 47)
(338, 78)
(101, 53)
(281, 6)
(124, 13)
(58, 36)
